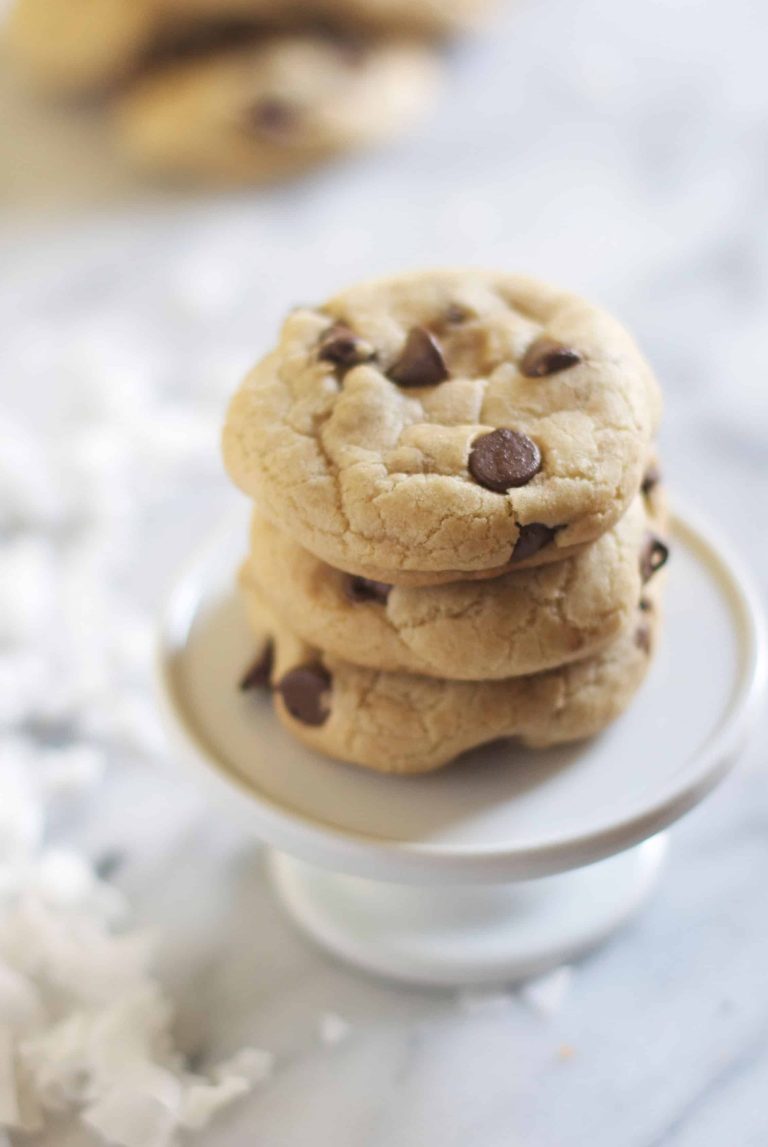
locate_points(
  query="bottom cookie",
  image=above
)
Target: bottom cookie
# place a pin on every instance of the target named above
(401, 723)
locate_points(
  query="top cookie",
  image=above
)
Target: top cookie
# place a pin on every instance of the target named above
(445, 425)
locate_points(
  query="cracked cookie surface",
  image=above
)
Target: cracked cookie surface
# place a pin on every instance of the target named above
(521, 623)
(445, 425)
(401, 723)
(273, 108)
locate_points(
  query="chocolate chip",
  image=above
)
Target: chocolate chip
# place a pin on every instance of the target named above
(364, 589)
(341, 346)
(643, 638)
(260, 673)
(545, 356)
(305, 692)
(646, 605)
(421, 361)
(651, 479)
(455, 314)
(655, 554)
(273, 116)
(503, 459)
(532, 538)
(352, 50)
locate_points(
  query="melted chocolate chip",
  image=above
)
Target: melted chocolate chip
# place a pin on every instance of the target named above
(454, 314)
(421, 362)
(273, 116)
(352, 50)
(260, 673)
(504, 459)
(545, 356)
(655, 554)
(341, 346)
(532, 538)
(651, 479)
(305, 692)
(365, 589)
(643, 638)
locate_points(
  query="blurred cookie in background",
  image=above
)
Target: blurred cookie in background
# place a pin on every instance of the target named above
(277, 107)
(240, 90)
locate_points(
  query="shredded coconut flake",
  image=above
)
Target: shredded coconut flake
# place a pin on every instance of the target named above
(9, 1100)
(334, 1029)
(85, 1028)
(139, 1110)
(546, 995)
(252, 1064)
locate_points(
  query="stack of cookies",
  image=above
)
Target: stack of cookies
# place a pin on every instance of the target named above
(458, 523)
(241, 90)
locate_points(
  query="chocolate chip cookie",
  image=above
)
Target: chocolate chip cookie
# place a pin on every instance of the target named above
(524, 622)
(401, 723)
(275, 107)
(445, 425)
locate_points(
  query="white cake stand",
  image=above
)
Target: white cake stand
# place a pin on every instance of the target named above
(508, 862)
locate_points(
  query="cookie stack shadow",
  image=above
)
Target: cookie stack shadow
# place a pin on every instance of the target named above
(240, 91)
(459, 526)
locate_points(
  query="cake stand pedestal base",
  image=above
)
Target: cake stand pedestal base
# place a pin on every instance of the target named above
(455, 935)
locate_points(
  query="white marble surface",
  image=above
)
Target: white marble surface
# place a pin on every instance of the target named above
(620, 149)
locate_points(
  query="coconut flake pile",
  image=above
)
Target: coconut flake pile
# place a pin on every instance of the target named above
(99, 442)
(84, 1027)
